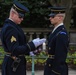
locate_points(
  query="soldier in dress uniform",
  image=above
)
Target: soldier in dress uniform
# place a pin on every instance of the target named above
(57, 44)
(14, 42)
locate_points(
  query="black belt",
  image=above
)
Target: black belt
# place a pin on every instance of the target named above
(51, 56)
(13, 57)
(9, 54)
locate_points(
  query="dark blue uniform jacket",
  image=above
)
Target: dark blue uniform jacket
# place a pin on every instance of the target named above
(14, 42)
(58, 48)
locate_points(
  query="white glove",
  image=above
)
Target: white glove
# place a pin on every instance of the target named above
(32, 54)
(37, 42)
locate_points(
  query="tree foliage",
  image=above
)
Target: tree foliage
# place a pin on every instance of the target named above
(35, 18)
(39, 11)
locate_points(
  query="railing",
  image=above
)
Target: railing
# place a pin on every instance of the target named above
(32, 33)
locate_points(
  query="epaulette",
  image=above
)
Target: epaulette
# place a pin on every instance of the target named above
(63, 33)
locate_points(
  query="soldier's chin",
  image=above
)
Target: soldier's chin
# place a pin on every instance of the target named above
(19, 22)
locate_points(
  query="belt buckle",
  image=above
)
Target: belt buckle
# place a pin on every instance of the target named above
(51, 56)
(14, 57)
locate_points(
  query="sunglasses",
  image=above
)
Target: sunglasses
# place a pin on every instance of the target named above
(20, 16)
(52, 16)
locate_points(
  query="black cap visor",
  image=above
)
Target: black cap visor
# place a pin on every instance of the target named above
(52, 15)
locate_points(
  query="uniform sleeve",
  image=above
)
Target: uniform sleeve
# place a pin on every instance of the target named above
(60, 52)
(13, 44)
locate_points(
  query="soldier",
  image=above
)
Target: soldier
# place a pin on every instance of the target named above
(14, 42)
(57, 44)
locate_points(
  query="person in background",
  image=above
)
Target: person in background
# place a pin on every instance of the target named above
(14, 42)
(57, 44)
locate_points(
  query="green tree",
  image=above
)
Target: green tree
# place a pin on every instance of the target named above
(39, 10)
(35, 18)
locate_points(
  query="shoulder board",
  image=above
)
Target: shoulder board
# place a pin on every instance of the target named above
(63, 33)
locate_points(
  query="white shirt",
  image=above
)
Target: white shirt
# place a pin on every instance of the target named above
(10, 19)
(57, 27)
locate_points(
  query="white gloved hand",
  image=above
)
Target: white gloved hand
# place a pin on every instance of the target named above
(37, 42)
(32, 54)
